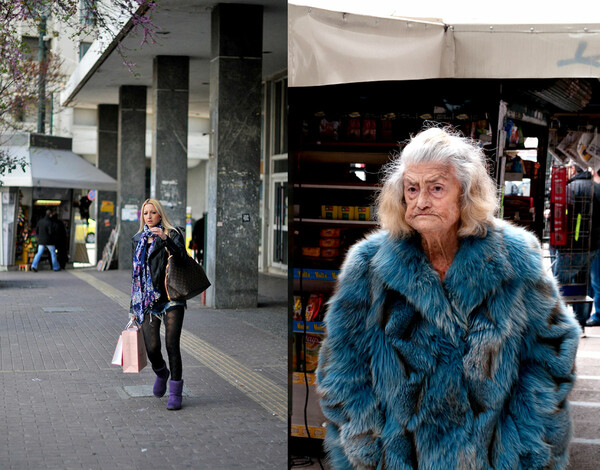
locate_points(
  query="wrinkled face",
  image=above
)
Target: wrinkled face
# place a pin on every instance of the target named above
(432, 197)
(151, 216)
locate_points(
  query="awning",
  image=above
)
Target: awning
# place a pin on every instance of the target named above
(332, 46)
(52, 168)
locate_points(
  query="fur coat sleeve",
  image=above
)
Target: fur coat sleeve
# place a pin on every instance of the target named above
(469, 373)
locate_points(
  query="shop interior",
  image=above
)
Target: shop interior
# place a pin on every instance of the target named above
(75, 243)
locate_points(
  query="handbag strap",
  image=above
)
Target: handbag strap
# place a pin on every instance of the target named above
(180, 233)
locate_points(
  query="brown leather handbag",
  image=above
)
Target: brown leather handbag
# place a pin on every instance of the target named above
(184, 278)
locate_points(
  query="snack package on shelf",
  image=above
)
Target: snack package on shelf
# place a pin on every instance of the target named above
(297, 307)
(330, 253)
(312, 251)
(331, 233)
(387, 130)
(330, 212)
(347, 212)
(353, 129)
(313, 307)
(329, 129)
(329, 242)
(313, 344)
(369, 130)
(363, 213)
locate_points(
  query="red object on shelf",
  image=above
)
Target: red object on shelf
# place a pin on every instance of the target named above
(558, 236)
(558, 197)
(558, 189)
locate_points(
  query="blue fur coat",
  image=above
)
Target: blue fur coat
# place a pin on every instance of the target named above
(469, 373)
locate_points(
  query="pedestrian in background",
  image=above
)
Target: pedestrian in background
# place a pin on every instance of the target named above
(197, 241)
(575, 259)
(149, 302)
(59, 236)
(448, 345)
(594, 285)
(45, 240)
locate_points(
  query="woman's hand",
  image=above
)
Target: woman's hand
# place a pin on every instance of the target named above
(159, 232)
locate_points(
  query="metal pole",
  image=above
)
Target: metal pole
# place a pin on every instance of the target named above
(41, 128)
(51, 112)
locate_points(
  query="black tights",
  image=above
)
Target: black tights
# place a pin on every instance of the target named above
(173, 323)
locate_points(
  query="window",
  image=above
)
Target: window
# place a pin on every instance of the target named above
(30, 47)
(87, 13)
(83, 48)
(280, 117)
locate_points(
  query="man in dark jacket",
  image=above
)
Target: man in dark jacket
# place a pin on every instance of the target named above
(59, 235)
(45, 240)
(575, 260)
(594, 286)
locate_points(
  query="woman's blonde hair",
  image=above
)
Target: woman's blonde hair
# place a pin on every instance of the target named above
(164, 220)
(479, 198)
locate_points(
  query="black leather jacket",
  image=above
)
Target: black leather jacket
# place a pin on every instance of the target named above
(44, 231)
(159, 256)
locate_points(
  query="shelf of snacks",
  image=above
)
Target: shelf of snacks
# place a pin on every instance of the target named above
(368, 223)
(315, 420)
(311, 326)
(316, 432)
(358, 210)
(337, 186)
(335, 182)
(331, 156)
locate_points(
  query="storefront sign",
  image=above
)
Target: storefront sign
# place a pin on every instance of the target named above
(130, 212)
(107, 206)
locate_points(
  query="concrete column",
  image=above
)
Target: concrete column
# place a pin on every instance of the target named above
(168, 182)
(132, 166)
(107, 161)
(233, 230)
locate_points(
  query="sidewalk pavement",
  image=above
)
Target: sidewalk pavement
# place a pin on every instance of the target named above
(64, 406)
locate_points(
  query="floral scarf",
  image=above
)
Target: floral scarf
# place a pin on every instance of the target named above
(143, 294)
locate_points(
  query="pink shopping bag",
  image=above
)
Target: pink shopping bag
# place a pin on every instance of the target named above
(117, 358)
(134, 349)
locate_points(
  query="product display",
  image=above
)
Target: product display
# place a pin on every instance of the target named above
(329, 242)
(311, 359)
(347, 212)
(313, 307)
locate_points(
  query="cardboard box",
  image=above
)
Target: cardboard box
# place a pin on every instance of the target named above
(311, 251)
(330, 252)
(329, 242)
(348, 212)
(363, 213)
(330, 212)
(331, 233)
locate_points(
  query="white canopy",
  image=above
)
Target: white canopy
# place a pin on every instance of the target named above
(52, 168)
(344, 42)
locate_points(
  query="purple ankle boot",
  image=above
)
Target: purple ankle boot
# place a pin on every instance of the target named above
(175, 389)
(160, 384)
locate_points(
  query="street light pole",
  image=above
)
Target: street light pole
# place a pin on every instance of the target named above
(41, 122)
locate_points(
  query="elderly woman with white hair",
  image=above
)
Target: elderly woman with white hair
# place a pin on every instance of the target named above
(448, 345)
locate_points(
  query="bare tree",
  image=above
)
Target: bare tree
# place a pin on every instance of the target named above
(25, 80)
